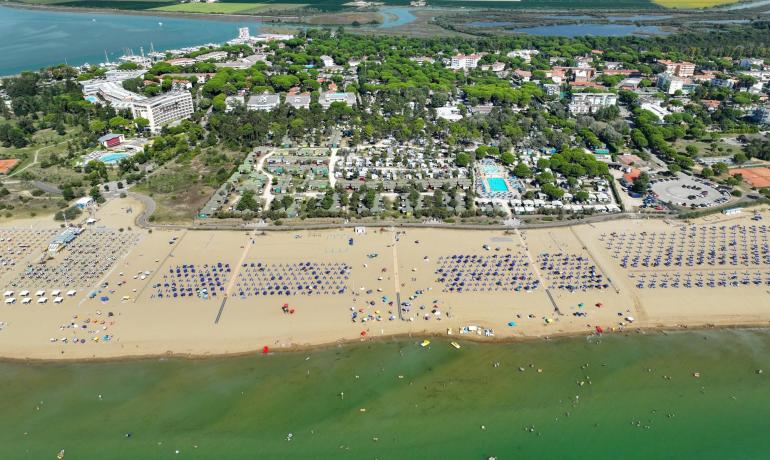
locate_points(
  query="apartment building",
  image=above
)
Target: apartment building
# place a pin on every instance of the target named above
(680, 69)
(465, 61)
(164, 109)
(583, 103)
(264, 102)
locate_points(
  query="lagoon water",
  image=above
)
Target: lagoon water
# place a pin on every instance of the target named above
(630, 397)
(599, 30)
(32, 39)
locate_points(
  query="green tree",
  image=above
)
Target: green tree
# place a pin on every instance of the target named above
(522, 170)
(641, 183)
(463, 159)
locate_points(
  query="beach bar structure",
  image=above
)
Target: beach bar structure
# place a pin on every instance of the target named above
(84, 202)
(64, 238)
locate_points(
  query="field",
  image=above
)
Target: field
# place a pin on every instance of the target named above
(346, 18)
(706, 149)
(181, 188)
(693, 3)
(251, 7)
(222, 7)
(113, 4)
(228, 8)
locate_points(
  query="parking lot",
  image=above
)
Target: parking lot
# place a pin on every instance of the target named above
(688, 192)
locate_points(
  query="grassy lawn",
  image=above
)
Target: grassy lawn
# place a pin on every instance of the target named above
(546, 4)
(114, 4)
(21, 203)
(693, 3)
(21, 154)
(43, 2)
(221, 8)
(705, 149)
(42, 138)
(180, 189)
(225, 8)
(178, 193)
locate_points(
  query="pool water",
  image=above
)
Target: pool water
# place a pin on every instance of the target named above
(496, 184)
(113, 157)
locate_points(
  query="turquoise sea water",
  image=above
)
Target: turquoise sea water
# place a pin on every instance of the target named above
(630, 397)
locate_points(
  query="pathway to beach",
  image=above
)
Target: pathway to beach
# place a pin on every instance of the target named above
(332, 162)
(234, 277)
(267, 194)
(396, 280)
(595, 259)
(536, 270)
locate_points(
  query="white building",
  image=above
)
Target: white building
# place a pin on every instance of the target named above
(164, 109)
(233, 102)
(298, 101)
(523, 54)
(552, 89)
(656, 109)
(680, 69)
(670, 83)
(110, 89)
(212, 56)
(84, 202)
(265, 102)
(326, 99)
(591, 102)
(449, 112)
(116, 96)
(328, 61)
(465, 61)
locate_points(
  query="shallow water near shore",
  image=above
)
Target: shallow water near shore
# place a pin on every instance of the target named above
(638, 399)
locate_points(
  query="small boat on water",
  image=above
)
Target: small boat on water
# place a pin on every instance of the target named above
(456, 345)
(425, 343)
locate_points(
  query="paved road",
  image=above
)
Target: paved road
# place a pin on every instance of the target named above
(47, 187)
(142, 220)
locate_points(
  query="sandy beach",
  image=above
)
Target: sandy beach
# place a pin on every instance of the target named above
(146, 292)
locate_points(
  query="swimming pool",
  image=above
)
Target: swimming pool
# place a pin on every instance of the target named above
(490, 169)
(113, 157)
(496, 184)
